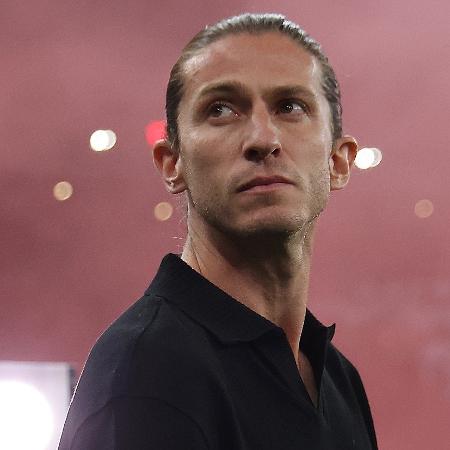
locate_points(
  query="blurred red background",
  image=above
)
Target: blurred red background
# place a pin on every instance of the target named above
(381, 273)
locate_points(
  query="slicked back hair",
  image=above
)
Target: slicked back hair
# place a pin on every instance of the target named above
(250, 24)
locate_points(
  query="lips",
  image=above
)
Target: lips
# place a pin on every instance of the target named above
(263, 181)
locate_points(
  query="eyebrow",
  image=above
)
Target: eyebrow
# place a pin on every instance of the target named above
(231, 87)
(237, 88)
(294, 91)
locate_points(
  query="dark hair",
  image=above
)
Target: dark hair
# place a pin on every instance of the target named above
(252, 24)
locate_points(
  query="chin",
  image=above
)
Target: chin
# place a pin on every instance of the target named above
(269, 223)
(271, 227)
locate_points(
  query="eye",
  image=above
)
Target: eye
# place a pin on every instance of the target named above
(220, 110)
(291, 107)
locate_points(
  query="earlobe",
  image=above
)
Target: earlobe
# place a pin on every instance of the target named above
(167, 161)
(341, 161)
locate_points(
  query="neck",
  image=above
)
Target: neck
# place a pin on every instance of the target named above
(268, 273)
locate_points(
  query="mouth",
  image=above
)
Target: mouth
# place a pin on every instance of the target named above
(264, 184)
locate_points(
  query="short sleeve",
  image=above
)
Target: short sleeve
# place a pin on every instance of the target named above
(138, 424)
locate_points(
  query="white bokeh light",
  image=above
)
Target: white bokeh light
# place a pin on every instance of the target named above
(102, 140)
(378, 156)
(26, 419)
(367, 158)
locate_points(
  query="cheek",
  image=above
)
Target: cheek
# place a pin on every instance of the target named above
(312, 156)
(206, 153)
(202, 172)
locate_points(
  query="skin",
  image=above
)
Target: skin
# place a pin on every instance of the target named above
(253, 107)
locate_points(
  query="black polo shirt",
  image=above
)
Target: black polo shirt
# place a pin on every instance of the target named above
(189, 367)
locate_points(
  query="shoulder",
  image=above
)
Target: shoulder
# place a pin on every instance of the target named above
(104, 374)
(148, 341)
(150, 351)
(110, 356)
(347, 380)
(170, 354)
(337, 359)
(342, 371)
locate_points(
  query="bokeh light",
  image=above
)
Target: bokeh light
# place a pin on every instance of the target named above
(62, 190)
(163, 211)
(154, 131)
(368, 157)
(102, 140)
(423, 208)
(26, 420)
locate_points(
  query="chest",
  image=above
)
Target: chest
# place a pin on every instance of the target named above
(276, 405)
(307, 375)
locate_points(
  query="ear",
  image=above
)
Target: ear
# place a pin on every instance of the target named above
(167, 160)
(341, 161)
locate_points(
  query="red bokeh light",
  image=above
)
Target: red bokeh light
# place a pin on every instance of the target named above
(155, 130)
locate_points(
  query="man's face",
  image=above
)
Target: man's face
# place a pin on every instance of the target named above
(255, 138)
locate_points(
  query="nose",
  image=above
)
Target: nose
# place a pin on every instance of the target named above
(262, 137)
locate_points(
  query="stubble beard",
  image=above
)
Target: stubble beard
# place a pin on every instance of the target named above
(282, 231)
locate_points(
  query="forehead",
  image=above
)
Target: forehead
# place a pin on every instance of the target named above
(259, 61)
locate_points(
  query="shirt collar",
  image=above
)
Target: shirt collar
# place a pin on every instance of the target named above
(228, 319)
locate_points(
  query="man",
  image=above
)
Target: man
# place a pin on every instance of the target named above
(221, 352)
